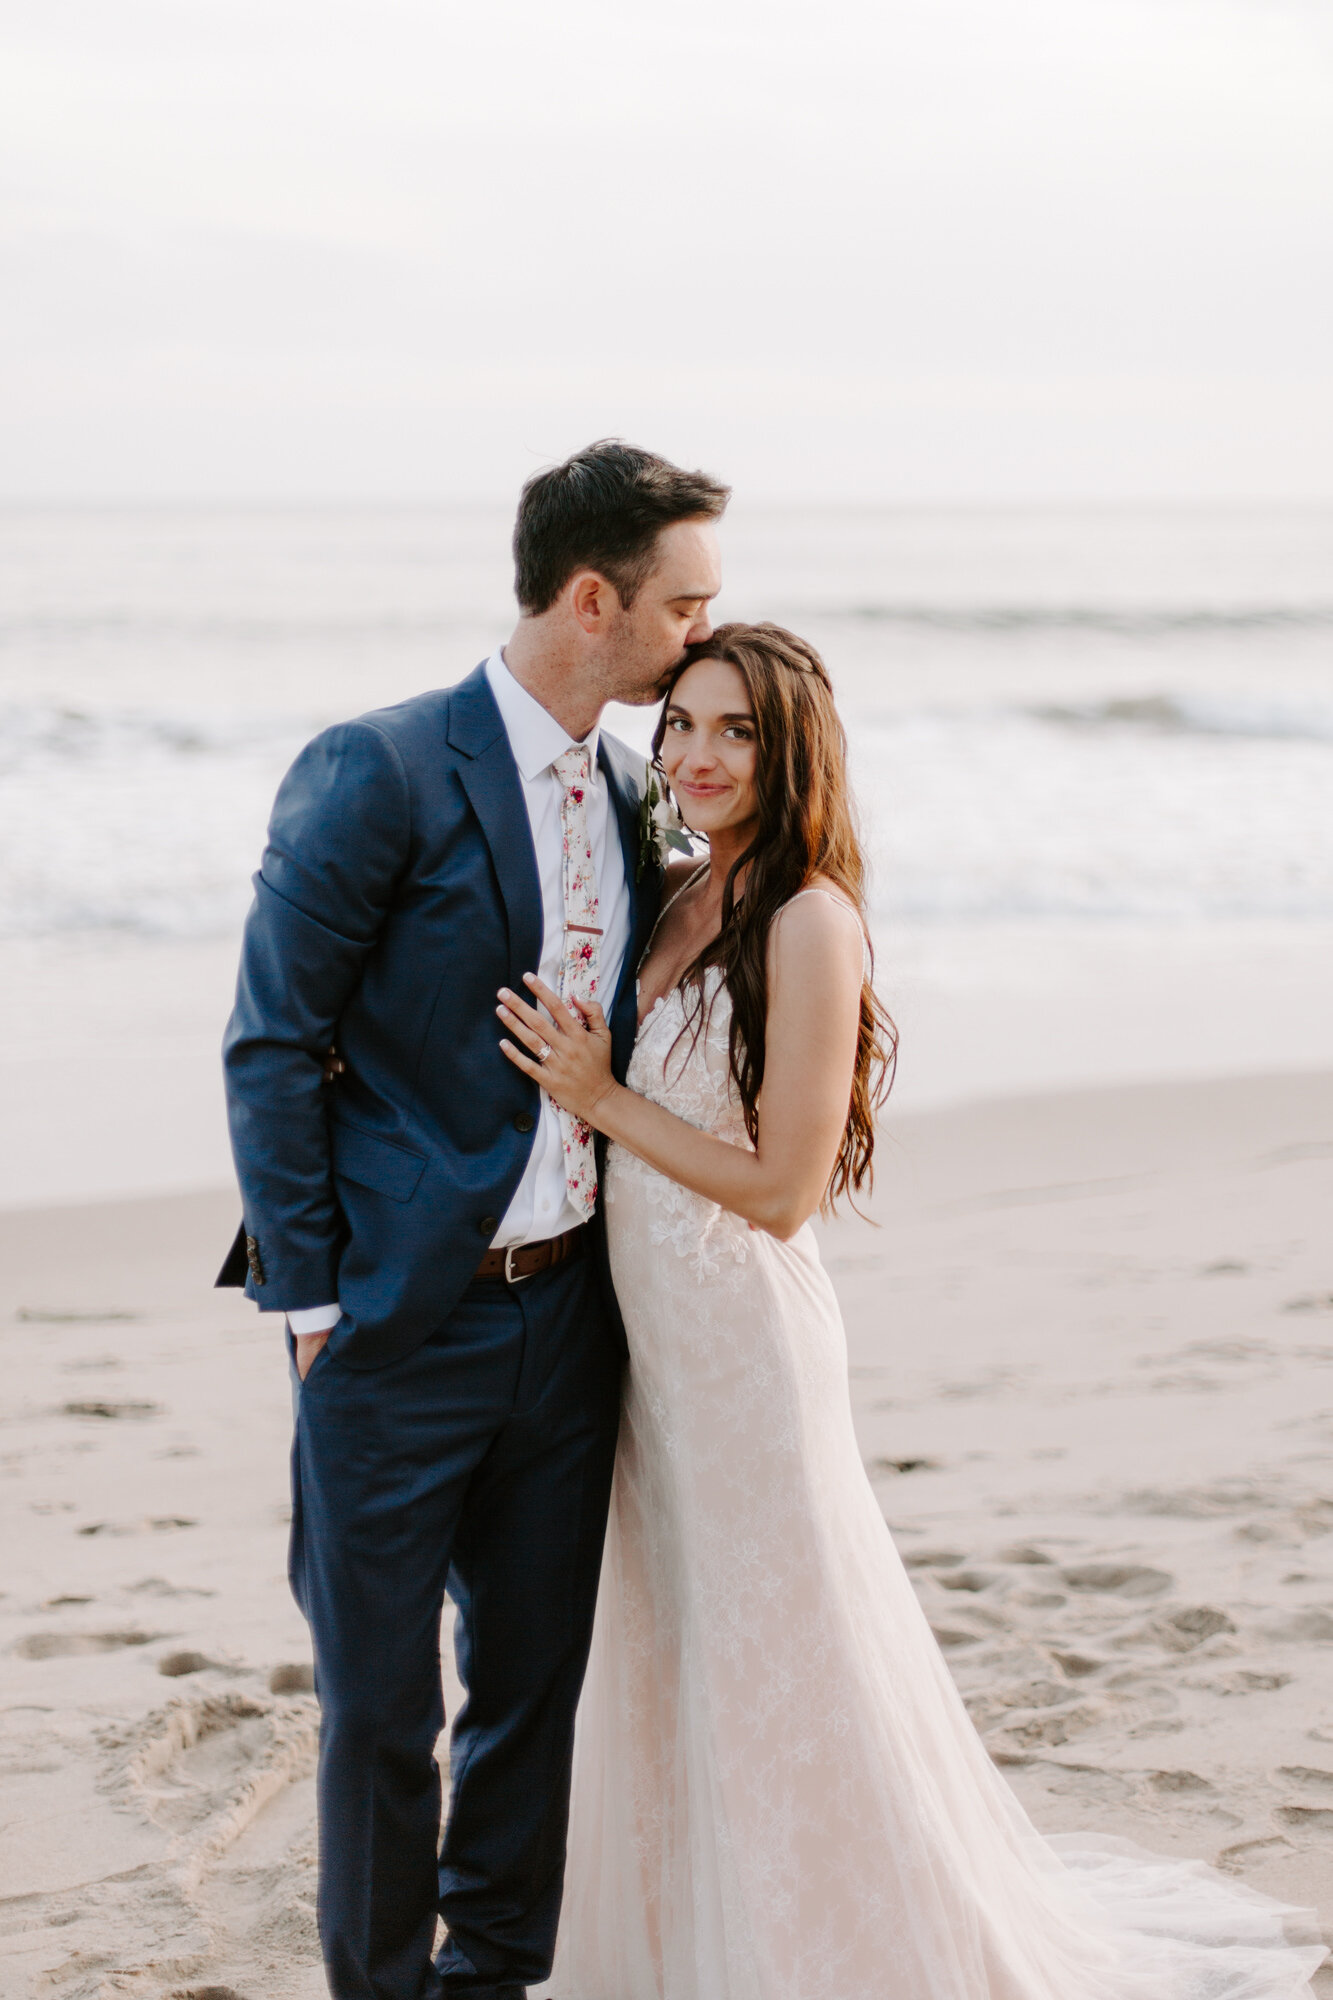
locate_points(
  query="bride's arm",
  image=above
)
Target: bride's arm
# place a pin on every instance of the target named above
(815, 970)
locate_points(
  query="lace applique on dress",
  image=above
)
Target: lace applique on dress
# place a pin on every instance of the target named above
(685, 1066)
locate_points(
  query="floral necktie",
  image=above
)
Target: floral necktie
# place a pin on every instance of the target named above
(581, 959)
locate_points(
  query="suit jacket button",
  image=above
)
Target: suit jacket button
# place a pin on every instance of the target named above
(523, 1121)
(488, 1225)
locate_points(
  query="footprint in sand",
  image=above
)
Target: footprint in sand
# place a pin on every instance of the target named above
(1057, 1726)
(158, 1524)
(176, 1665)
(157, 1586)
(70, 1645)
(43, 1316)
(1238, 1858)
(1032, 1694)
(1077, 1665)
(1220, 1496)
(974, 1580)
(1179, 1631)
(1124, 1579)
(1307, 1819)
(1178, 1781)
(1247, 1680)
(137, 1412)
(295, 1677)
(1308, 1774)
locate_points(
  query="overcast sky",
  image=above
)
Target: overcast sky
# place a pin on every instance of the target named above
(889, 249)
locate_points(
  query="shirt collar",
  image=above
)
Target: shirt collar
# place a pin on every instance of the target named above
(535, 737)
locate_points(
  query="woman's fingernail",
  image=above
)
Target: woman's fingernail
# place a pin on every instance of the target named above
(505, 994)
(529, 979)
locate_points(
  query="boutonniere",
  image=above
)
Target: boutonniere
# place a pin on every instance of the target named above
(661, 829)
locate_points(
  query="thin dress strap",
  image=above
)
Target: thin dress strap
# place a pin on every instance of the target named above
(675, 896)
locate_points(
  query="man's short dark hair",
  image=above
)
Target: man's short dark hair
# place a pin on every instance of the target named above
(603, 509)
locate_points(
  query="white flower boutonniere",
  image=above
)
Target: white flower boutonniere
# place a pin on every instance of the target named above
(661, 829)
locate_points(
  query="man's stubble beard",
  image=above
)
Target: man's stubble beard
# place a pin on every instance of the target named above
(645, 696)
(651, 688)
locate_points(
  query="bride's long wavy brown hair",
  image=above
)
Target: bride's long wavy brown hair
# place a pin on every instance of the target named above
(807, 829)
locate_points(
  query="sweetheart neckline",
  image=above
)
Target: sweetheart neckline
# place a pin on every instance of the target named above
(642, 1020)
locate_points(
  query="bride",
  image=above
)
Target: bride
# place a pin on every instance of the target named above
(778, 1794)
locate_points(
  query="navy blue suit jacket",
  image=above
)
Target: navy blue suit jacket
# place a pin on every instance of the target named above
(397, 892)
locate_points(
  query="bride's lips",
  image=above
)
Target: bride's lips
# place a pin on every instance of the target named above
(700, 791)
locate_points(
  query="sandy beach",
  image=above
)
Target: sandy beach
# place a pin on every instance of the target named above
(1090, 1356)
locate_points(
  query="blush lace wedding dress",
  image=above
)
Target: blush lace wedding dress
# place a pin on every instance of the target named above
(778, 1794)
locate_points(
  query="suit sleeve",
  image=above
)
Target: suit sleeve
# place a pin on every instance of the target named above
(338, 843)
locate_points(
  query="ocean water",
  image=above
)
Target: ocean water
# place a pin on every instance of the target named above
(1063, 719)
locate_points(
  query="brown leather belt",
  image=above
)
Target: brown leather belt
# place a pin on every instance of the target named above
(525, 1260)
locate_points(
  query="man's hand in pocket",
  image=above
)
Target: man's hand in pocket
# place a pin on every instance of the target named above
(307, 1347)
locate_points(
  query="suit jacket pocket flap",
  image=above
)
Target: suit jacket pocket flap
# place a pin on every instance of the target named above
(375, 1163)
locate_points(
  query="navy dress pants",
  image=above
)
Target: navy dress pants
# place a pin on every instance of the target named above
(480, 1464)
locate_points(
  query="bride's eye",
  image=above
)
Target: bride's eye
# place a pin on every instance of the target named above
(678, 723)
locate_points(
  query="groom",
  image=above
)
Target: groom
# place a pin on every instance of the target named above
(429, 1226)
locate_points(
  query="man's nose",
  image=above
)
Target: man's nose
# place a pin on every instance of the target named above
(701, 629)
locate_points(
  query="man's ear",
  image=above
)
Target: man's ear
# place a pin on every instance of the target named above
(593, 600)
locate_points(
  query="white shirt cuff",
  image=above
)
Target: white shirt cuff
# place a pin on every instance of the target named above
(314, 1319)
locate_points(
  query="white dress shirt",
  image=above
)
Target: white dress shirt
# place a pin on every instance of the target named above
(540, 1206)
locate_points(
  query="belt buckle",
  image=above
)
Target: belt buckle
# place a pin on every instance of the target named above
(510, 1276)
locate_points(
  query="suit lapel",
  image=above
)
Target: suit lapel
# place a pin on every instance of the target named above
(490, 779)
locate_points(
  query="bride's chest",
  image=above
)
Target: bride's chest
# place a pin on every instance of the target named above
(682, 1058)
(680, 935)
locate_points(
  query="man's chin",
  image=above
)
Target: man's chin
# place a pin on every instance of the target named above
(652, 690)
(665, 678)
(648, 695)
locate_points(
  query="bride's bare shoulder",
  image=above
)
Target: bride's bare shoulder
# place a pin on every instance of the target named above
(821, 907)
(813, 928)
(825, 886)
